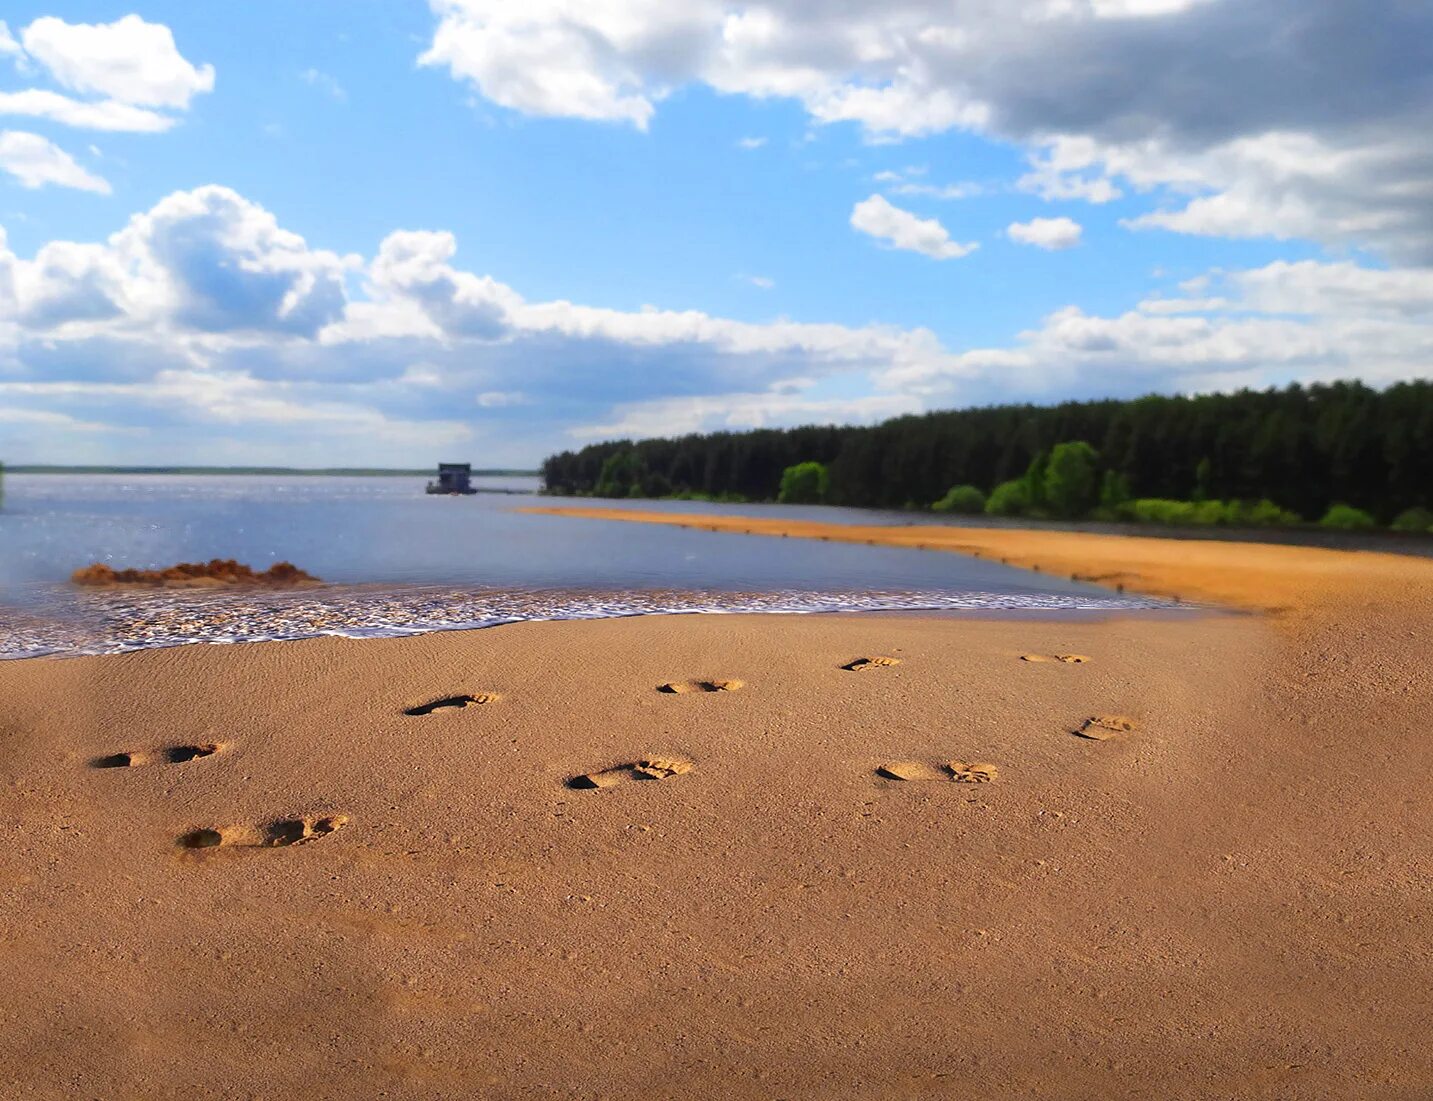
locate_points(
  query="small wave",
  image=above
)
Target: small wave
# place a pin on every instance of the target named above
(111, 623)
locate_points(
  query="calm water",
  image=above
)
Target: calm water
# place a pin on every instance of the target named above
(400, 561)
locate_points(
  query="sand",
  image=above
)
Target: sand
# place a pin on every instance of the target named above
(563, 881)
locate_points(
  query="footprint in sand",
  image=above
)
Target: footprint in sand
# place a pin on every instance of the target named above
(1068, 659)
(455, 703)
(877, 662)
(1101, 727)
(682, 687)
(649, 768)
(961, 772)
(169, 755)
(270, 835)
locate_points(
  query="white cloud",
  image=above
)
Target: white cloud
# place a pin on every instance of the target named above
(129, 60)
(751, 143)
(1069, 168)
(734, 412)
(133, 67)
(106, 114)
(203, 317)
(565, 57)
(325, 83)
(901, 229)
(204, 324)
(909, 181)
(761, 282)
(37, 161)
(1046, 233)
(1356, 323)
(501, 399)
(963, 190)
(8, 46)
(1292, 134)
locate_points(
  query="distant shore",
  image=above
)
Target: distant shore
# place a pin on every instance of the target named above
(277, 471)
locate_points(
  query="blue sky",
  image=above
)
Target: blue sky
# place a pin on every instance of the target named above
(389, 232)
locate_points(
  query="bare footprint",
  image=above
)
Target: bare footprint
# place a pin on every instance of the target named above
(961, 772)
(169, 755)
(1101, 727)
(454, 702)
(1068, 659)
(681, 687)
(876, 662)
(649, 768)
(270, 835)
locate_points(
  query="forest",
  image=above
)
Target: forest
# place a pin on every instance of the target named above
(1341, 449)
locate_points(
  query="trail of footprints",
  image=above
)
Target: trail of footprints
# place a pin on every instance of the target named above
(286, 832)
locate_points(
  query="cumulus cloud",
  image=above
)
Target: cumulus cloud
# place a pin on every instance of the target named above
(37, 162)
(128, 60)
(1294, 133)
(207, 261)
(1304, 321)
(204, 325)
(1046, 233)
(204, 320)
(901, 229)
(131, 70)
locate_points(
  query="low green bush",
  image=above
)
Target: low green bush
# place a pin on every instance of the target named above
(1347, 518)
(1267, 514)
(966, 500)
(804, 484)
(1160, 510)
(1009, 499)
(1413, 519)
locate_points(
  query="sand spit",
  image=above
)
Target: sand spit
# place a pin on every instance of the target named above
(382, 883)
(1257, 576)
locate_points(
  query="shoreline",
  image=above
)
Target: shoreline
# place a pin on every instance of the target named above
(89, 621)
(1169, 613)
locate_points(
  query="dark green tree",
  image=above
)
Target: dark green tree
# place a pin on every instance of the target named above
(1203, 476)
(1072, 479)
(1303, 447)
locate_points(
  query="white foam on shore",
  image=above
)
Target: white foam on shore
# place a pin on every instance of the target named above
(112, 622)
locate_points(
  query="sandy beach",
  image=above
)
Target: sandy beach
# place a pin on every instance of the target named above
(576, 884)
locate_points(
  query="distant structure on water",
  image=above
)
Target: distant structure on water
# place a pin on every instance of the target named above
(453, 478)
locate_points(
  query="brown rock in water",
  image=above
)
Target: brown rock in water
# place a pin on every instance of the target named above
(219, 571)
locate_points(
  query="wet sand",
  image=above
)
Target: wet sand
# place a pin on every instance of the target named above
(564, 881)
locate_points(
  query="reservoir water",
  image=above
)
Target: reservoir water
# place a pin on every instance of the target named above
(398, 561)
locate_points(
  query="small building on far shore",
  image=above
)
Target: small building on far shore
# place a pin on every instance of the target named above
(453, 478)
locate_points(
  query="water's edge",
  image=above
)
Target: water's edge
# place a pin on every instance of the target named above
(71, 624)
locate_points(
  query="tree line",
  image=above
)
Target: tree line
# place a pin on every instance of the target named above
(1302, 449)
